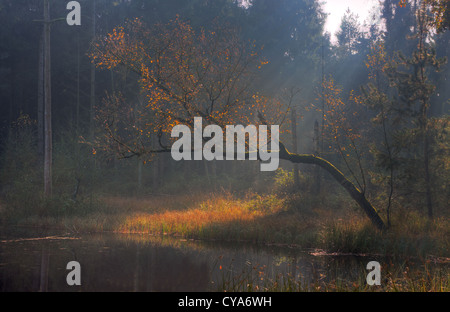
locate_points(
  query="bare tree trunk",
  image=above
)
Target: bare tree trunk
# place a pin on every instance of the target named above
(205, 164)
(139, 174)
(77, 122)
(40, 107)
(47, 104)
(92, 96)
(40, 110)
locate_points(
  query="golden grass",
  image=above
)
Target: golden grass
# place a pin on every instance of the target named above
(263, 219)
(220, 216)
(154, 216)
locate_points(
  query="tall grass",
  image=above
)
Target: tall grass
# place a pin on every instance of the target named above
(198, 220)
(395, 278)
(411, 234)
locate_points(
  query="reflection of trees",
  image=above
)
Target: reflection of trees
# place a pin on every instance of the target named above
(167, 269)
(105, 266)
(43, 276)
(142, 268)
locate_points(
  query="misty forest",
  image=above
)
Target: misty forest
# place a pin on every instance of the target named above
(92, 169)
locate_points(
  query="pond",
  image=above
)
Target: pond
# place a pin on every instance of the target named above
(36, 261)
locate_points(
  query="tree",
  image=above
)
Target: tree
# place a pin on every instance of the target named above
(18, 71)
(440, 10)
(92, 95)
(441, 14)
(347, 61)
(40, 106)
(374, 96)
(291, 33)
(185, 75)
(349, 34)
(410, 108)
(47, 104)
(182, 74)
(289, 96)
(48, 134)
(354, 192)
(400, 25)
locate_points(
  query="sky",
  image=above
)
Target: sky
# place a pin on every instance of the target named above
(337, 8)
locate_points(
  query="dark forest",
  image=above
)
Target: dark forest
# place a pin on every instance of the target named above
(313, 147)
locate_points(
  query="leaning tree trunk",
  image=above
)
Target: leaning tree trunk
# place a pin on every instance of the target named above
(354, 192)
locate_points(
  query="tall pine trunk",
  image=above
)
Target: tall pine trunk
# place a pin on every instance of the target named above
(77, 122)
(92, 95)
(47, 104)
(40, 104)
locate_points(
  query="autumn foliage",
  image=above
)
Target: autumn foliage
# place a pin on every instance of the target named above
(182, 74)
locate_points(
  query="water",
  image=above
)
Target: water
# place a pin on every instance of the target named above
(36, 261)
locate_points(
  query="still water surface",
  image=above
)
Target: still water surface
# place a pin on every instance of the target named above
(36, 261)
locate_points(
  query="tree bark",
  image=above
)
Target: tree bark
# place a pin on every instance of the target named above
(92, 95)
(354, 192)
(40, 106)
(77, 122)
(47, 104)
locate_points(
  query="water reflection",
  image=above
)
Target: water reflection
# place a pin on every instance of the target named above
(117, 262)
(107, 264)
